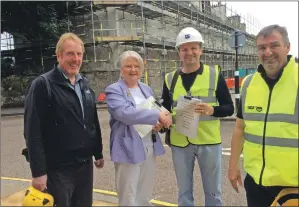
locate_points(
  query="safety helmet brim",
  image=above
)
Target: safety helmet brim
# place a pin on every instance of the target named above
(179, 45)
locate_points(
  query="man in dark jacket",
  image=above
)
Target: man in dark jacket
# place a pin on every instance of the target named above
(62, 130)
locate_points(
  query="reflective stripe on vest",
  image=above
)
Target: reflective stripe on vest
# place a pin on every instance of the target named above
(169, 78)
(272, 141)
(290, 118)
(204, 99)
(202, 118)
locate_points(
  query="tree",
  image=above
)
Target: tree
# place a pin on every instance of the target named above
(35, 21)
(296, 59)
(35, 27)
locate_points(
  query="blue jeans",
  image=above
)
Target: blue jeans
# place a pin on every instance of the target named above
(209, 161)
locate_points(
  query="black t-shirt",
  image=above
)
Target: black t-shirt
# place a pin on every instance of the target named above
(225, 108)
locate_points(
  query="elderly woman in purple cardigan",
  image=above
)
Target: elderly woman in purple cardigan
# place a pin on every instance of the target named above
(134, 156)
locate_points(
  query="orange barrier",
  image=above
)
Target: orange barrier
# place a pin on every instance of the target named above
(102, 97)
(230, 82)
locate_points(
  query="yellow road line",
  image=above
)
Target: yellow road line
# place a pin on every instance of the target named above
(162, 203)
(105, 192)
(16, 179)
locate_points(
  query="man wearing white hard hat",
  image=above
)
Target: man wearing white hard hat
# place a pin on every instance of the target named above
(197, 80)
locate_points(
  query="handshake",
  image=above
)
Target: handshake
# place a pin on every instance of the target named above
(165, 121)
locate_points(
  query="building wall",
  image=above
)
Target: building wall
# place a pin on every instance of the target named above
(220, 11)
(100, 67)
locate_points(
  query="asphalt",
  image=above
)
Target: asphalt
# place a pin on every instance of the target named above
(13, 165)
(20, 111)
(13, 191)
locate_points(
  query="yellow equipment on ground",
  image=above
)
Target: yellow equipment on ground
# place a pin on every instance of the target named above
(34, 197)
(292, 193)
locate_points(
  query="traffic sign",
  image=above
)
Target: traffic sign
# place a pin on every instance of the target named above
(237, 40)
(241, 39)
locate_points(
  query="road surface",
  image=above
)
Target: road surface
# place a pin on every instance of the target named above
(13, 163)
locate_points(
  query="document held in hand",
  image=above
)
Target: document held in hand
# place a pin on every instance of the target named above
(187, 120)
(149, 103)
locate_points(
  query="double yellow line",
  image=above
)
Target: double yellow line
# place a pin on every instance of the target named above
(105, 192)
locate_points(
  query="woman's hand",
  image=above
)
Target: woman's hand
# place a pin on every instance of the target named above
(157, 127)
(165, 119)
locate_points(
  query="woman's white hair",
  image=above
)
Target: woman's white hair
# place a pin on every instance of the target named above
(130, 54)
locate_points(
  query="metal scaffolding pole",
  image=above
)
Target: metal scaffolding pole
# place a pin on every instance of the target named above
(144, 48)
(93, 38)
(164, 50)
(68, 16)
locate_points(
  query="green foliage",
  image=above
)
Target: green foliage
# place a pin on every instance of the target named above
(34, 25)
(13, 89)
(33, 21)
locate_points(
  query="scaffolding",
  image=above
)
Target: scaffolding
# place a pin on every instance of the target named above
(150, 28)
(108, 27)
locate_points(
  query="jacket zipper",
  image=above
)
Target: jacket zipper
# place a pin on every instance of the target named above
(264, 137)
(78, 101)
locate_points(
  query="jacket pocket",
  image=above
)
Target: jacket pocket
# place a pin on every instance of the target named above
(129, 147)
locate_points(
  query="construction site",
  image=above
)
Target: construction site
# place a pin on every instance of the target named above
(148, 27)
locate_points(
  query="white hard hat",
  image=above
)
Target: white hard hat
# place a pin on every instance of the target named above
(188, 34)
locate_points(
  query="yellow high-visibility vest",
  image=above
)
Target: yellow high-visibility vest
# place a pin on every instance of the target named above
(271, 128)
(204, 87)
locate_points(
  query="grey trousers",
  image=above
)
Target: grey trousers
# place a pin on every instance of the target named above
(135, 182)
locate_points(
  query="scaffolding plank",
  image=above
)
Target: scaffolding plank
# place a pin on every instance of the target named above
(117, 39)
(114, 2)
(136, 10)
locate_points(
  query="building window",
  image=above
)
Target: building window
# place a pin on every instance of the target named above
(7, 41)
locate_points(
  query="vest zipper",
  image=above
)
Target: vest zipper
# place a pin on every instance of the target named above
(264, 135)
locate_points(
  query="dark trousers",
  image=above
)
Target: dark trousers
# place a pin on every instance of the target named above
(260, 196)
(72, 185)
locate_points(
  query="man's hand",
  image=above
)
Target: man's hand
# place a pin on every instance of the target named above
(237, 143)
(234, 176)
(165, 119)
(204, 109)
(40, 183)
(99, 163)
(157, 127)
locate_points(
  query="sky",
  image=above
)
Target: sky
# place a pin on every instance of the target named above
(267, 13)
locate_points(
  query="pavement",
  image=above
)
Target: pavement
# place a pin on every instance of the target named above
(13, 191)
(20, 111)
(13, 188)
(16, 174)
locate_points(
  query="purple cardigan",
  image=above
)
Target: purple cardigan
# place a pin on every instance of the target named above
(126, 146)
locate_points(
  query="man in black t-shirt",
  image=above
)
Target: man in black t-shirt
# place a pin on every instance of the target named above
(196, 79)
(266, 129)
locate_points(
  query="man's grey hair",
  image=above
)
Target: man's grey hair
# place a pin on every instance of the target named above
(130, 54)
(266, 31)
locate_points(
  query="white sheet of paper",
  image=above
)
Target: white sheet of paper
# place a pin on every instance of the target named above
(149, 103)
(186, 119)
